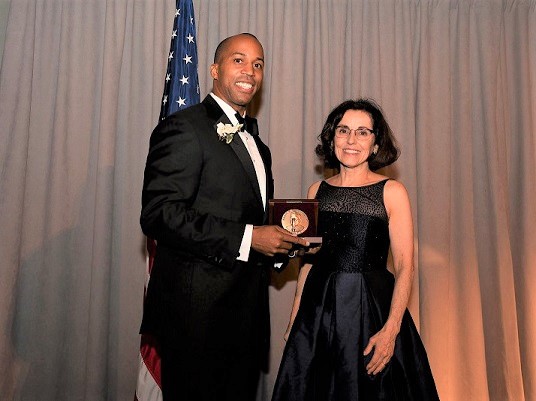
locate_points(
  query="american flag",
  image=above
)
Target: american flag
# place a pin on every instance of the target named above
(181, 90)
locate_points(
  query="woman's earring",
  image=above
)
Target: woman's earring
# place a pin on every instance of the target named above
(375, 149)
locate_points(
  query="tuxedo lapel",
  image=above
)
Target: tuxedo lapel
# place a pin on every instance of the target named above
(237, 145)
(242, 153)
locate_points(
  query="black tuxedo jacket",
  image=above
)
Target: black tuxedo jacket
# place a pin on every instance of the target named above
(198, 194)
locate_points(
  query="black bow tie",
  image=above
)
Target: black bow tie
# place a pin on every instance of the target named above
(249, 124)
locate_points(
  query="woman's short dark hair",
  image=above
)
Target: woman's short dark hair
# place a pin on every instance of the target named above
(383, 135)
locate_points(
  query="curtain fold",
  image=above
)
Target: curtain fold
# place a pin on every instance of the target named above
(80, 87)
(80, 90)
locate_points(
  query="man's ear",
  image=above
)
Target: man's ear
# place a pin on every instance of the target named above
(214, 71)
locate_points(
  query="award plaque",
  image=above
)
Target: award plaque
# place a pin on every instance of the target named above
(297, 216)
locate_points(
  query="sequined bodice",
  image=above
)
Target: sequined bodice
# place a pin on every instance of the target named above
(354, 226)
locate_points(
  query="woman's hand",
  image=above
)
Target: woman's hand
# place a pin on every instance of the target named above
(312, 251)
(301, 251)
(383, 343)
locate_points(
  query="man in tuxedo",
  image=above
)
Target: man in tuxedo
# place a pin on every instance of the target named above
(206, 186)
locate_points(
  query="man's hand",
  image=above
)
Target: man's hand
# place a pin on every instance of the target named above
(270, 240)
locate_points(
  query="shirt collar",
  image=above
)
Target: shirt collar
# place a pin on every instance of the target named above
(227, 109)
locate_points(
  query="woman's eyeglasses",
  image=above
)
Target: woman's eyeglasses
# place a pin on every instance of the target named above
(362, 133)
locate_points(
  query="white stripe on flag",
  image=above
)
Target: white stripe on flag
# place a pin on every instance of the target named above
(147, 389)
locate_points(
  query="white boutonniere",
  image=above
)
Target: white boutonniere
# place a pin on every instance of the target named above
(226, 131)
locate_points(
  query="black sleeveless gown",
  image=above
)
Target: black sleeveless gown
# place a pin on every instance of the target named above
(346, 300)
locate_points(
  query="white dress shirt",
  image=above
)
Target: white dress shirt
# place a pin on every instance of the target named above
(253, 151)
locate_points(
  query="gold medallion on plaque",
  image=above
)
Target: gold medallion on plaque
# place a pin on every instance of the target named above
(295, 221)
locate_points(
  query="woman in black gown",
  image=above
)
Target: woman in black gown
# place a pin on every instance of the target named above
(350, 336)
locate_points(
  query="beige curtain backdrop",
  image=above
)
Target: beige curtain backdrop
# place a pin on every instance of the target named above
(80, 87)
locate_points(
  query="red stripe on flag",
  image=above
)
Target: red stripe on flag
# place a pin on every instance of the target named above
(149, 351)
(149, 386)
